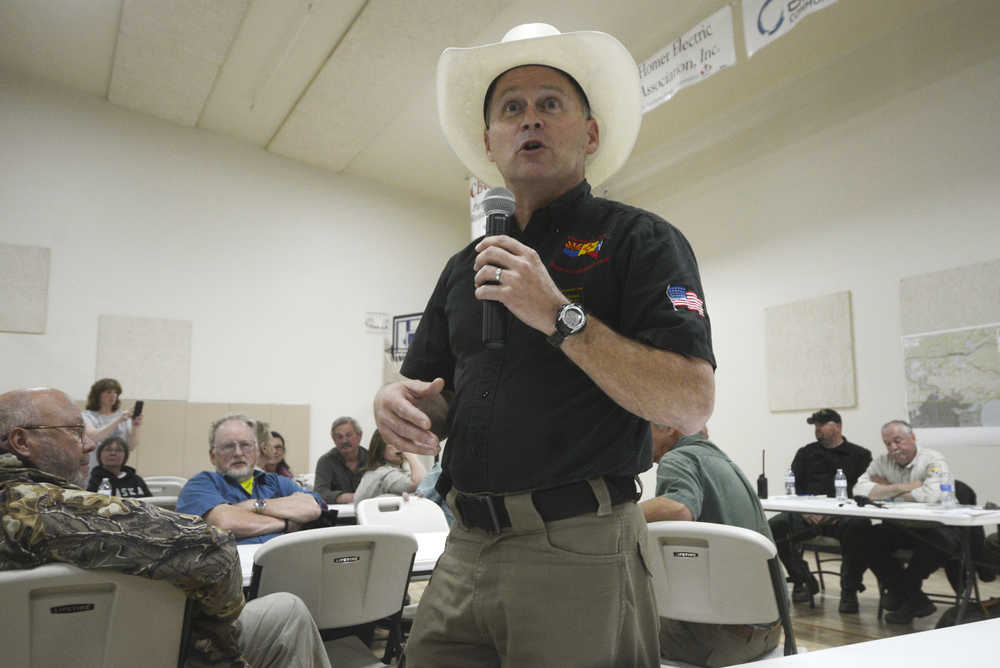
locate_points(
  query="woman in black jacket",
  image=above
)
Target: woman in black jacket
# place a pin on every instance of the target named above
(112, 454)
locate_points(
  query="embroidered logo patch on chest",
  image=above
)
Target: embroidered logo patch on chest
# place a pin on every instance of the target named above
(585, 252)
(578, 248)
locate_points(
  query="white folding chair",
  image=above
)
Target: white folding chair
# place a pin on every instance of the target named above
(168, 502)
(165, 485)
(346, 576)
(717, 574)
(61, 615)
(415, 514)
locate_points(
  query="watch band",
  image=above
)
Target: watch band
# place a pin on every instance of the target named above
(259, 505)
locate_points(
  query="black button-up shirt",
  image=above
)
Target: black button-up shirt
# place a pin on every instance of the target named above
(526, 417)
(815, 466)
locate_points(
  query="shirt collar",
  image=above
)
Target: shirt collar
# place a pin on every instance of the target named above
(557, 208)
(257, 474)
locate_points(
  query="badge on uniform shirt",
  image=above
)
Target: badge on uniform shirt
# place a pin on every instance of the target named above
(577, 247)
(681, 297)
(585, 252)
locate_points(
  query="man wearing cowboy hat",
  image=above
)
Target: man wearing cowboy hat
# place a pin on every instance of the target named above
(546, 434)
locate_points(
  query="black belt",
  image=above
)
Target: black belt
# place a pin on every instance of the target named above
(488, 512)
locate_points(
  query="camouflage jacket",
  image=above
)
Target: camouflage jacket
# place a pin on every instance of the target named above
(46, 519)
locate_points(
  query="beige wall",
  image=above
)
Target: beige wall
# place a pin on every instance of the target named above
(274, 263)
(174, 434)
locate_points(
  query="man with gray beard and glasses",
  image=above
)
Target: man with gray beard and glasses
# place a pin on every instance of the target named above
(253, 504)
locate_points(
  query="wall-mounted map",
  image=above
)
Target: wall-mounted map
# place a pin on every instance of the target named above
(951, 357)
(953, 377)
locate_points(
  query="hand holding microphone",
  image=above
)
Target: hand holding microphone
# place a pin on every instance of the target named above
(499, 204)
(511, 277)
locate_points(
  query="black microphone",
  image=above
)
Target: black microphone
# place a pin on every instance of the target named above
(499, 205)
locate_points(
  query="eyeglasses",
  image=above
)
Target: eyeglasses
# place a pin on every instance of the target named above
(230, 447)
(78, 430)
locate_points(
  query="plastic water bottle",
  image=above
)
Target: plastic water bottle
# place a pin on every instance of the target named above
(840, 484)
(947, 486)
(105, 487)
(790, 483)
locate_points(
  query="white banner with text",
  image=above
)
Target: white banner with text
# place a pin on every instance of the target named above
(693, 57)
(477, 215)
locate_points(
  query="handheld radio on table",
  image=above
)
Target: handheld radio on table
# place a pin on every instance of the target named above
(762, 479)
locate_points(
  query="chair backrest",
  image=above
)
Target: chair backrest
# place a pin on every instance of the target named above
(168, 502)
(165, 485)
(346, 575)
(964, 494)
(415, 513)
(712, 573)
(61, 615)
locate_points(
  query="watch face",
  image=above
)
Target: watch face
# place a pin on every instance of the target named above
(573, 317)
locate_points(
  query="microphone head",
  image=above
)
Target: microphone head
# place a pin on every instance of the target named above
(499, 200)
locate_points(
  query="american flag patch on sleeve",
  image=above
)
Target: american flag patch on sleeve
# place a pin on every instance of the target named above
(681, 297)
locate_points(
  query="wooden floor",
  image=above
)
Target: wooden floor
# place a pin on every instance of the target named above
(822, 626)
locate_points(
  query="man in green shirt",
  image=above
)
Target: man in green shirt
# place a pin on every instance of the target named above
(695, 481)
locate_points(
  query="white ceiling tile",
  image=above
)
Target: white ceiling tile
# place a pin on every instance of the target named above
(281, 46)
(169, 54)
(386, 59)
(69, 43)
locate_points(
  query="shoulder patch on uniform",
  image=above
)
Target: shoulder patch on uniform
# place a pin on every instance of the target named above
(681, 297)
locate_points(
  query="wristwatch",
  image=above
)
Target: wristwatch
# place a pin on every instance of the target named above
(259, 505)
(570, 320)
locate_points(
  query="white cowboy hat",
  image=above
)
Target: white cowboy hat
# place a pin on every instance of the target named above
(600, 63)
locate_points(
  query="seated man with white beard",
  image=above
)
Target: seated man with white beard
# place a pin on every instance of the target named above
(253, 504)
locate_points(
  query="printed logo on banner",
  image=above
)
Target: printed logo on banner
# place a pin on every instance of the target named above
(761, 19)
(767, 20)
(681, 297)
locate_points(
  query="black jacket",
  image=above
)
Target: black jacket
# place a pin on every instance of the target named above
(131, 484)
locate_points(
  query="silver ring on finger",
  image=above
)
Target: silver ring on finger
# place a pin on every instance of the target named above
(499, 271)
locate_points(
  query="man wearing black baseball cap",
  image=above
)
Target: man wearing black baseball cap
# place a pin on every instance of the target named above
(815, 466)
(823, 416)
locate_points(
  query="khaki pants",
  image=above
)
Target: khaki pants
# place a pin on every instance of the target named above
(278, 631)
(716, 645)
(574, 592)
